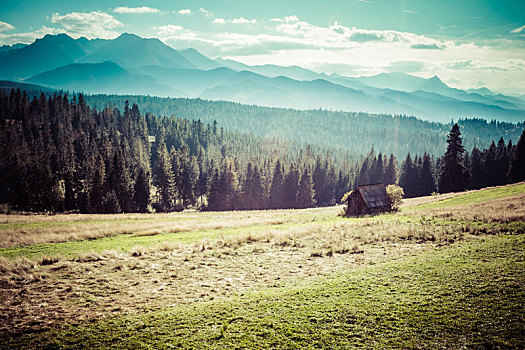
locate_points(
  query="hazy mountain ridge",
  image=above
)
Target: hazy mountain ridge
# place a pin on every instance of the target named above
(148, 66)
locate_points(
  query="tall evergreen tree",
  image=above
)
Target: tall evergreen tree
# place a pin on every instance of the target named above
(276, 189)
(390, 176)
(164, 179)
(516, 171)
(319, 181)
(305, 194)
(408, 178)
(291, 187)
(454, 176)
(476, 168)
(427, 184)
(142, 191)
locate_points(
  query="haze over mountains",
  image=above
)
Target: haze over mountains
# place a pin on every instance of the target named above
(133, 65)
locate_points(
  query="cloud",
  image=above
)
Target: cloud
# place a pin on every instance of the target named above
(406, 66)
(91, 25)
(433, 46)
(460, 65)
(240, 20)
(206, 12)
(518, 30)
(411, 12)
(28, 37)
(477, 66)
(288, 19)
(169, 29)
(342, 49)
(243, 20)
(135, 10)
(366, 1)
(185, 12)
(5, 26)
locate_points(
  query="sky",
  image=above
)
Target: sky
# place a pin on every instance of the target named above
(467, 43)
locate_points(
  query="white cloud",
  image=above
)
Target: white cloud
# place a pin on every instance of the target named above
(28, 37)
(185, 12)
(5, 26)
(341, 49)
(135, 10)
(518, 30)
(206, 12)
(240, 20)
(91, 25)
(167, 30)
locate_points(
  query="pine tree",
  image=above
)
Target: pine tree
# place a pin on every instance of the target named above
(305, 194)
(476, 168)
(427, 185)
(319, 181)
(377, 171)
(516, 171)
(502, 163)
(454, 176)
(215, 197)
(362, 178)
(291, 188)
(164, 179)
(276, 189)
(228, 185)
(408, 178)
(142, 192)
(390, 176)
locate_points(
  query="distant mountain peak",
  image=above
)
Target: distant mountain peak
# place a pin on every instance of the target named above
(128, 36)
(54, 38)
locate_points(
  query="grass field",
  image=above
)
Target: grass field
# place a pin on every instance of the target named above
(441, 273)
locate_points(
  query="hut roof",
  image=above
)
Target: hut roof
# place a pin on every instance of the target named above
(374, 195)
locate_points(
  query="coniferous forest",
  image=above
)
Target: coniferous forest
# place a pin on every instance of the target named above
(60, 154)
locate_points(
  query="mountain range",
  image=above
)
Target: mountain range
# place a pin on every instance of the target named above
(130, 64)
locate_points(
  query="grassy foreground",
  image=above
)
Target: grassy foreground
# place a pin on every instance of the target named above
(478, 196)
(448, 274)
(467, 295)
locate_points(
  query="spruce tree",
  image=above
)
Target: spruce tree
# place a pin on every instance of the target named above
(142, 191)
(291, 188)
(427, 184)
(390, 176)
(215, 197)
(517, 162)
(408, 178)
(319, 181)
(454, 176)
(164, 179)
(476, 168)
(305, 194)
(276, 189)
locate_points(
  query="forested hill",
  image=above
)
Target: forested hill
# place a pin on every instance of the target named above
(355, 132)
(336, 131)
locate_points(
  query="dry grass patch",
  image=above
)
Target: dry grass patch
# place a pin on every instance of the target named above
(92, 286)
(22, 230)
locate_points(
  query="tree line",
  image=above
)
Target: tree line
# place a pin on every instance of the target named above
(59, 154)
(353, 132)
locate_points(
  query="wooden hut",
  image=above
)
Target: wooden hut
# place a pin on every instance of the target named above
(368, 199)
